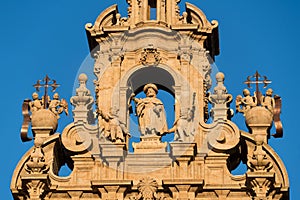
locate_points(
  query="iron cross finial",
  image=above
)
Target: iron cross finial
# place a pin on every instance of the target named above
(258, 79)
(46, 83)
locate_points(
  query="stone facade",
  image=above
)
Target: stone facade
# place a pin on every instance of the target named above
(154, 48)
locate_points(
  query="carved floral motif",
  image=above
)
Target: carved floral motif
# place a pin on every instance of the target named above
(147, 189)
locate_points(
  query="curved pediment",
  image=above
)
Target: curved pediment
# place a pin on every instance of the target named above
(106, 18)
(196, 16)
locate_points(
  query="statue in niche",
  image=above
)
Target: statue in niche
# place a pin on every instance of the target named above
(58, 106)
(268, 101)
(150, 112)
(36, 103)
(114, 129)
(183, 127)
(243, 104)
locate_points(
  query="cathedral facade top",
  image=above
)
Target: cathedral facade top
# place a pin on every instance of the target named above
(116, 146)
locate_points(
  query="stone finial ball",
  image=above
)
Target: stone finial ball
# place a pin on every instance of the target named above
(83, 77)
(220, 76)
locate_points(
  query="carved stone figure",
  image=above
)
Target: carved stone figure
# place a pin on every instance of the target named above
(150, 112)
(243, 104)
(36, 103)
(115, 130)
(268, 101)
(183, 127)
(57, 106)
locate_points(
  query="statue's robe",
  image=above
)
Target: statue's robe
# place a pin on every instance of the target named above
(151, 115)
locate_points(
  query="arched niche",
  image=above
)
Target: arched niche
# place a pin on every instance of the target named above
(162, 75)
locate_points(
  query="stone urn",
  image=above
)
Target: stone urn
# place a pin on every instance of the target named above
(259, 120)
(258, 115)
(44, 119)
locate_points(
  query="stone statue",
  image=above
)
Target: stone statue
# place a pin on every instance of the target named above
(115, 130)
(150, 112)
(268, 101)
(57, 106)
(243, 104)
(36, 103)
(183, 127)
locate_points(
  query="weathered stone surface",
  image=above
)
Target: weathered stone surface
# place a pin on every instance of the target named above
(174, 53)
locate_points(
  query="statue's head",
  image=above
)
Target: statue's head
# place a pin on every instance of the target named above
(35, 96)
(56, 96)
(246, 92)
(269, 92)
(150, 90)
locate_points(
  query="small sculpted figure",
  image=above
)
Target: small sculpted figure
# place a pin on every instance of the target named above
(247, 102)
(268, 101)
(150, 112)
(238, 102)
(36, 103)
(115, 130)
(183, 127)
(57, 106)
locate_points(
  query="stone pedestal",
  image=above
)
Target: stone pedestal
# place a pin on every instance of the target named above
(150, 144)
(182, 154)
(179, 149)
(259, 120)
(44, 123)
(113, 154)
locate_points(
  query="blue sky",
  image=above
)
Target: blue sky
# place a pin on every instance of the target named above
(48, 37)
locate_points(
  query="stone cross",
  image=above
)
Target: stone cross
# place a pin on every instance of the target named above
(47, 83)
(258, 79)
